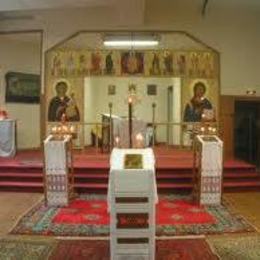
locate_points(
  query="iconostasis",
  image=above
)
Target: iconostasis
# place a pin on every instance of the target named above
(84, 57)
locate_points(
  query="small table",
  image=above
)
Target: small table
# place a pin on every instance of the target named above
(7, 138)
(208, 169)
(58, 177)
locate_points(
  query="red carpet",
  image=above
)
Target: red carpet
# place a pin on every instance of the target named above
(181, 212)
(168, 213)
(166, 158)
(87, 216)
(179, 249)
(24, 172)
(83, 212)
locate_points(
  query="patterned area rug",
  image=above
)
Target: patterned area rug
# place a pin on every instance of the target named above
(87, 216)
(12, 249)
(165, 250)
(236, 247)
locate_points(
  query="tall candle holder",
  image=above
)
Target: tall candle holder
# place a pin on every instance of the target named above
(153, 121)
(130, 104)
(110, 105)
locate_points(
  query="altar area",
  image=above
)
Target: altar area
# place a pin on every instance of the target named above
(174, 167)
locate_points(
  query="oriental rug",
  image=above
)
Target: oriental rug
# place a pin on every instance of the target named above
(236, 247)
(25, 249)
(165, 250)
(87, 216)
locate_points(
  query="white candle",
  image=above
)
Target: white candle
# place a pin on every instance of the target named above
(139, 140)
(117, 140)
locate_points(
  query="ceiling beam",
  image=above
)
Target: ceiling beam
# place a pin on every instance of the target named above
(204, 7)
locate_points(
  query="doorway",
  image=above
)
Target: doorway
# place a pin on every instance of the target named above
(247, 131)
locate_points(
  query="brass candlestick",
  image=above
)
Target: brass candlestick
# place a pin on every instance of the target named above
(130, 104)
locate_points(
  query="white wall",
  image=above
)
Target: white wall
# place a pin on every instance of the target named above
(97, 100)
(21, 57)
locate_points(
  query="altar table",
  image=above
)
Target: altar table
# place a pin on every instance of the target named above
(58, 178)
(208, 169)
(7, 138)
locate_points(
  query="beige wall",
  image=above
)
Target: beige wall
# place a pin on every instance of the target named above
(21, 57)
(231, 28)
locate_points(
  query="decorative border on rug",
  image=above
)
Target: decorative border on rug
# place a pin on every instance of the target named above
(17, 221)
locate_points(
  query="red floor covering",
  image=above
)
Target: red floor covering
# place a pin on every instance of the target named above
(166, 157)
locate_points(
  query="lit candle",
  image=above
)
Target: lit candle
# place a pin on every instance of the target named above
(117, 140)
(139, 140)
(130, 100)
(72, 129)
(202, 129)
(65, 128)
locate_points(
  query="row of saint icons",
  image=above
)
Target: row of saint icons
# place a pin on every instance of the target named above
(195, 64)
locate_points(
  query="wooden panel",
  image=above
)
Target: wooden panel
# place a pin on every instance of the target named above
(227, 107)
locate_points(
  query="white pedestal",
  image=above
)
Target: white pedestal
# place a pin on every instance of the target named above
(208, 176)
(132, 195)
(7, 138)
(57, 154)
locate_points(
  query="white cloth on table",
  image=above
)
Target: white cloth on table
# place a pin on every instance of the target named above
(211, 161)
(211, 170)
(55, 155)
(7, 138)
(117, 167)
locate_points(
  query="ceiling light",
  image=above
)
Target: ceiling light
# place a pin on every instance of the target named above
(130, 43)
(123, 40)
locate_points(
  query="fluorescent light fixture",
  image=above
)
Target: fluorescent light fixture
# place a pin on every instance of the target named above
(117, 41)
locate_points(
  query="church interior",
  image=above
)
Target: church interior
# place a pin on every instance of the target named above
(129, 129)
